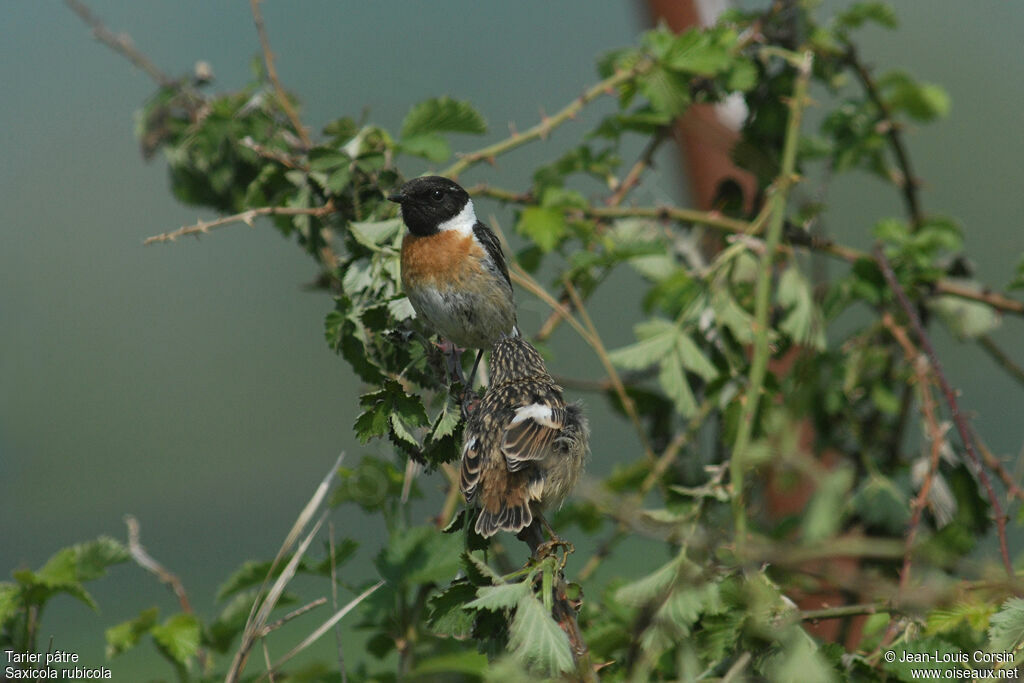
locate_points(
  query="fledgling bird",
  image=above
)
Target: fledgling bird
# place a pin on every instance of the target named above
(524, 446)
(453, 269)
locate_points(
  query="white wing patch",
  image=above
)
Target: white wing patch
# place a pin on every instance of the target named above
(462, 223)
(538, 412)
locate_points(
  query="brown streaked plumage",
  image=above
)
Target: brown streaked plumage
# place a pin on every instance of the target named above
(524, 447)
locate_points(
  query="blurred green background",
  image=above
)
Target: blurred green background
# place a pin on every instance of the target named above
(189, 384)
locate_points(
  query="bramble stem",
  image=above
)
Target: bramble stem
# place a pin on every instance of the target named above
(759, 364)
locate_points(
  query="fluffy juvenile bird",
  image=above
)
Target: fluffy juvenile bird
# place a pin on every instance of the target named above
(453, 269)
(524, 447)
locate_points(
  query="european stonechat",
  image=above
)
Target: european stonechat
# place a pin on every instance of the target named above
(524, 446)
(453, 269)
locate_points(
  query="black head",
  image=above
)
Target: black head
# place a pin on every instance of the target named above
(428, 202)
(514, 359)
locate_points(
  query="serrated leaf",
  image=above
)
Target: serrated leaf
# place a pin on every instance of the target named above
(803, 321)
(965, 319)
(859, 13)
(419, 555)
(449, 612)
(375, 235)
(672, 378)
(504, 596)
(545, 226)
(126, 635)
(650, 588)
(693, 358)
(657, 339)
(178, 637)
(536, 640)
(695, 52)
(10, 600)
(827, 508)
(922, 101)
(430, 146)
(668, 91)
(1006, 627)
(443, 114)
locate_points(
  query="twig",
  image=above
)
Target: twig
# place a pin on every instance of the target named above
(268, 59)
(547, 124)
(323, 628)
(714, 220)
(121, 43)
(951, 401)
(1013, 489)
(928, 409)
(670, 454)
(613, 375)
(1001, 358)
(845, 611)
(291, 615)
(247, 217)
(632, 178)
(147, 562)
(277, 155)
(908, 183)
(759, 363)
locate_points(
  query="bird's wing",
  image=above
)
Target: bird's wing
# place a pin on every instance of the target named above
(469, 473)
(487, 238)
(530, 434)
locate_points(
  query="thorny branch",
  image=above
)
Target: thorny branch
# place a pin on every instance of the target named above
(268, 58)
(951, 401)
(247, 217)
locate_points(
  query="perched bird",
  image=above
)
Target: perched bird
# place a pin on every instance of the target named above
(524, 447)
(453, 269)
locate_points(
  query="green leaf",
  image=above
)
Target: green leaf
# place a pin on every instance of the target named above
(803, 322)
(449, 613)
(882, 504)
(672, 378)
(545, 226)
(1018, 277)
(668, 91)
(125, 635)
(652, 587)
(419, 555)
(83, 562)
(657, 339)
(468, 663)
(504, 596)
(828, 506)
(965, 319)
(178, 637)
(921, 101)
(443, 114)
(231, 621)
(536, 640)
(1006, 627)
(860, 13)
(377, 235)
(430, 146)
(10, 600)
(695, 52)
(800, 660)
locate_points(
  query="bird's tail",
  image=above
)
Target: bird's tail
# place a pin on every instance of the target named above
(512, 518)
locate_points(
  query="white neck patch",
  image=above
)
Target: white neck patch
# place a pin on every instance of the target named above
(463, 223)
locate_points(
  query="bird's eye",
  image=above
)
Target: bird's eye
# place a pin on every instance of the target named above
(437, 195)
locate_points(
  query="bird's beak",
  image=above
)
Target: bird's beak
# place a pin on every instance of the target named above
(396, 197)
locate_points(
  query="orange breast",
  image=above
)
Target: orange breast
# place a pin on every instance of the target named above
(444, 259)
